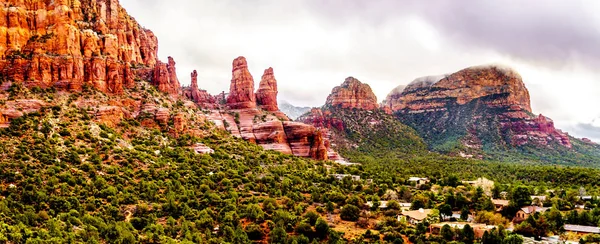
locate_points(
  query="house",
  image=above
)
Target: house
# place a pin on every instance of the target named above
(479, 229)
(539, 198)
(500, 204)
(456, 216)
(416, 216)
(586, 198)
(580, 229)
(529, 210)
(404, 206)
(382, 204)
(418, 181)
(342, 176)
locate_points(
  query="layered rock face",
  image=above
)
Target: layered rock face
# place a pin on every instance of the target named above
(241, 89)
(67, 44)
(266, 95)
(471, 100)
(352, 94)
(272, 133)
(165, 77)
(435, 92)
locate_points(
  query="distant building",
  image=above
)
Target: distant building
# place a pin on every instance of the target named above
(529, 210)
(580, 229)
(416, 216)
(418, 181)
(539, 198)
(479, 229)
(384, 205)
(342, 176)
(500, 204)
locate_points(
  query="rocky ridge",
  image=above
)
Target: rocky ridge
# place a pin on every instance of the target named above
(500, 91)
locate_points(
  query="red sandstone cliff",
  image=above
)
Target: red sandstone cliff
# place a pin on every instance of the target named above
(493, 88)
(67, 44)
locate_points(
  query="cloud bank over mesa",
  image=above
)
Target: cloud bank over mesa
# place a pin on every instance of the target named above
(313, 45)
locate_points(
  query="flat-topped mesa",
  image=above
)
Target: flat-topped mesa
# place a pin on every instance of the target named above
(470, 98)
(241, 90)
(266, 95)
(352, 94)
(503, 86)
(69, 44)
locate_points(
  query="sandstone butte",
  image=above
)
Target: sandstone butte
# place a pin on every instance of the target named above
(69, 44)
(503, 88)
(352, 94)
(256, 117)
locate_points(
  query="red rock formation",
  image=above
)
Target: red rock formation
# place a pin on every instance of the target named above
(165, 77)
(322, 119)
(69, 44)
(241, 90)
(352, 94)
(17, 108)
(111, 115)
(266, 95)
(434, 92)
(539, 130)
(200, 97)
(271, 133)
(490, 88)
(588, 141)
(305, 140)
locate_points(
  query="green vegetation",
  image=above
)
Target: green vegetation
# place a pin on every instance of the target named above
(475, 124)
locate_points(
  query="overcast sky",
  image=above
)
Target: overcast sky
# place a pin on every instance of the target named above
(313, 45)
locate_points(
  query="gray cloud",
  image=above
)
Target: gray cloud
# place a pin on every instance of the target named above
(586, 130)
(554, 32)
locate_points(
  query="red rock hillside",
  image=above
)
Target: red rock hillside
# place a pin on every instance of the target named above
(67, 44)
(435, 99)
(256, 117)
(352, 94)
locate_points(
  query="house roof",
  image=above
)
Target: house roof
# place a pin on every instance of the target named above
(500, 202)
(582, 229)
(420, 214)
(416, 179)
(533, 209)
(541, 198)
